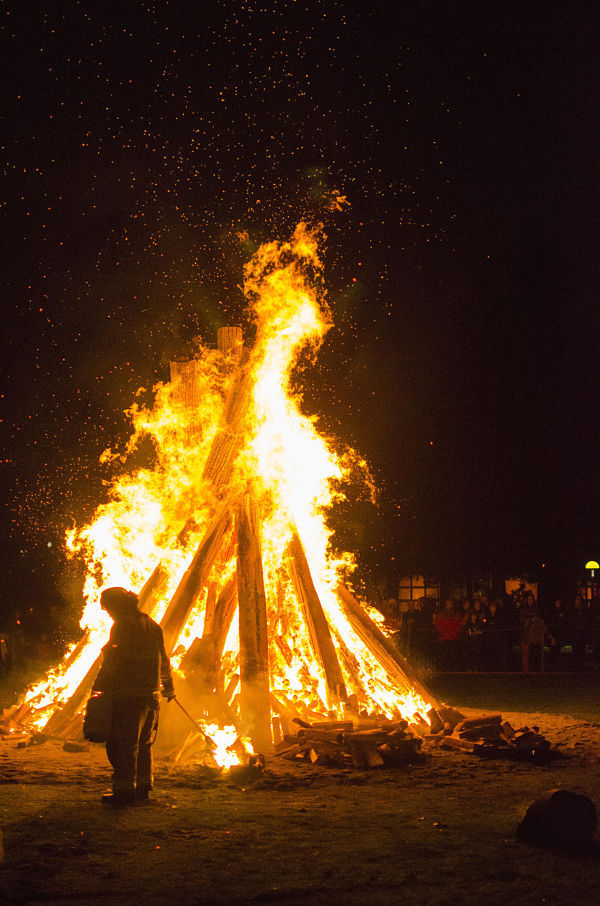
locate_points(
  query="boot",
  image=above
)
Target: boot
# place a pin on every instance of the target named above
(119, 798)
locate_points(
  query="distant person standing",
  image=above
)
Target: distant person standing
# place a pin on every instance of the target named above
(495, 637)
(578, 631)
(5, 658)
(533, 630)
(557, 621)
(134, 668)
(448, 623)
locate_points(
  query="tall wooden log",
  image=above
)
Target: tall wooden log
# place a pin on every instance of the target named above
(153, 589)
(255, 706)
(228, 439)
(316, 621)
(186, 384)
(382, 648)
(196, 575)
(230, 341)
(352, 668)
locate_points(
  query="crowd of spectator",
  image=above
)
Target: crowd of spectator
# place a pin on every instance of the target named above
(505, 633)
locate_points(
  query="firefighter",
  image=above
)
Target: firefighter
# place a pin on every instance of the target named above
(135, 667)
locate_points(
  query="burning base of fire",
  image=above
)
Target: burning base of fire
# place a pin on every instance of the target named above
(224, 533)
(363, 743)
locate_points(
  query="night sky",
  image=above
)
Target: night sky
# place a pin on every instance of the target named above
(140, 139)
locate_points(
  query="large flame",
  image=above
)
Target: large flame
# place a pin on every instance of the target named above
(159, 514)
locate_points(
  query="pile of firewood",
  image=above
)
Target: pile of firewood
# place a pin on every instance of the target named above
(9, 727)
(388, 743)
(490, 737)
(344, 744)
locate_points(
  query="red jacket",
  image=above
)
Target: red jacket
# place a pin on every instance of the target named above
(448, 627)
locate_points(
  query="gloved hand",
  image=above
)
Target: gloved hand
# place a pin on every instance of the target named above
(168, 692)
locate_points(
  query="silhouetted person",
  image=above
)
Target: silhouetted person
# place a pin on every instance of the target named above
(134, 667)
(471, 637)
(417, 630)
(495, 638)
(577, 631)
(448, 623)
(532, 635)
(557, 621)
(5, 656)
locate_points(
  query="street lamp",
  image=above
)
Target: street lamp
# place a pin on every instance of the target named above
(592, 565)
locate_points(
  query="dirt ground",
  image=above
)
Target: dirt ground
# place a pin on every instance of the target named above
(440, 832)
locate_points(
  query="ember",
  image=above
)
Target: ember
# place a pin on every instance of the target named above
(227, 538)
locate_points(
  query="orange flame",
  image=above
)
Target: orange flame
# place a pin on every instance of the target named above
(294, 472)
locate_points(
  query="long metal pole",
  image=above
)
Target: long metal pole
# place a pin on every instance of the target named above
(209, 741)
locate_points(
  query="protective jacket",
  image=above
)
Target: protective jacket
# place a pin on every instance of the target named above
(135, 662)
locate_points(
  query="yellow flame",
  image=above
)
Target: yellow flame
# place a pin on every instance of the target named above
(158, 514)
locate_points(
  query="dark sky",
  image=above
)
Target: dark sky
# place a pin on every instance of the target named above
(140, 138)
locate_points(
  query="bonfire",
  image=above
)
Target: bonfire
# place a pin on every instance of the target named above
(226, 538)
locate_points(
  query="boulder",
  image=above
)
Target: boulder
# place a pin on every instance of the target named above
(560, 819)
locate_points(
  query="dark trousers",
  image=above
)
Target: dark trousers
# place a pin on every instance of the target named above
(131, 731)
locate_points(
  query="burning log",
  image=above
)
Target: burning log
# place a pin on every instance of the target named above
(201, 660)
(381, 647)
(186, 383)
(227, 442)
(182, 602)
(316, 621)
(255, 703)
(153, 589)
(230, 341)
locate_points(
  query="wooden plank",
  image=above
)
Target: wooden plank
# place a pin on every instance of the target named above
(339, 725)
(255, 705)
(315, 734)
(453, 742)
(316, 621)
(382, 648)
(483, 720)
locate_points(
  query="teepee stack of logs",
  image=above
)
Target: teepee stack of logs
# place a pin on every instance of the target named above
(235, 526)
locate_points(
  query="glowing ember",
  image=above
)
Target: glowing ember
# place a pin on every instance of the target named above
(223, 428)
